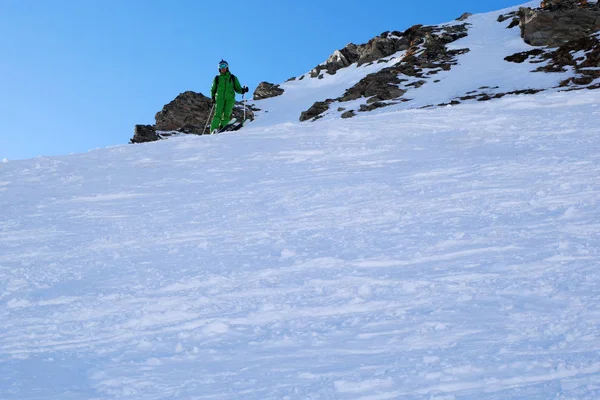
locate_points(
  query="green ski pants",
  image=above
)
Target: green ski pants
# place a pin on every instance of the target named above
(223, 111)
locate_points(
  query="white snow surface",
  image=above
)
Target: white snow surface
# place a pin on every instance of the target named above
(426, 254)
(443, 253)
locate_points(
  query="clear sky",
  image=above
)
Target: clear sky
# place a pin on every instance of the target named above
(77, 75)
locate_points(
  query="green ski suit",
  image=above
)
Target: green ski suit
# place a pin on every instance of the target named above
(224, 88)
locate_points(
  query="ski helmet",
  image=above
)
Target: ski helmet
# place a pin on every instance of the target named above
(223, 64)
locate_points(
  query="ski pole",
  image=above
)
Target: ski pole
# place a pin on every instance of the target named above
(208, 120)
(244, 103)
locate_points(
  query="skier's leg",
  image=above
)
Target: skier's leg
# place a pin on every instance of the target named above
(227, 110)
(218, 118)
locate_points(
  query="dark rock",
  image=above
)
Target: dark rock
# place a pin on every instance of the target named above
(144, 133)
(556, 25)
(192, 129)
(348, 114)
(266, 90)
(417, 84)
(593, 87)
(342, 58)
(562, 57)
(526, 91)
(508, 16)
(314, 111)
(426, 50)
(382, 84)
(521, 57)
(188, 109)
(379, 47)
(514, 23)
(464, 17)
(561, 60)
(190, 112)
(372, 106)
(556, 5)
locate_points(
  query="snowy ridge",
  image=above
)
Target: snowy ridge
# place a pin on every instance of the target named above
(423, 254)
(489, 42)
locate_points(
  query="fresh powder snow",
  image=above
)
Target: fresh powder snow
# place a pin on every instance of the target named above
(441, 253)
(434, 254)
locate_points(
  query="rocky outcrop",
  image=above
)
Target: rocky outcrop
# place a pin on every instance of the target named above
(144, 133)
(384, 45)
(426, 54)
(382, 85)
(555, 5)
(189, 109)
(266, 90)
(315, 111)
(558, 22)
(569, 28)
(188, 113)
(372, 106)
(342, 58)
(581, 56)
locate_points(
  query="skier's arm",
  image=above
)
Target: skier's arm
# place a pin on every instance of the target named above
(213, 89)
(236, 86)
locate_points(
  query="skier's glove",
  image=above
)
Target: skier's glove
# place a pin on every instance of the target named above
(245, 89)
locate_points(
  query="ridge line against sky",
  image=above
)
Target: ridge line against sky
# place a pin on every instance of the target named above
(77, 76)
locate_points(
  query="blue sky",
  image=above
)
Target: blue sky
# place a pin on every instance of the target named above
(77, 75)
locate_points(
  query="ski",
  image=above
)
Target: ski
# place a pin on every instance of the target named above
(232, 127)
(226, 127)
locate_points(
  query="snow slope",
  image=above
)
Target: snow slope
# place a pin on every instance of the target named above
(489, 42)
(447, 253)
(418, 254)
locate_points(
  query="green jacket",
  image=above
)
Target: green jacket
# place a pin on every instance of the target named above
(225, 86)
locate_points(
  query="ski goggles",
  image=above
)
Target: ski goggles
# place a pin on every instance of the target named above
(223, 65)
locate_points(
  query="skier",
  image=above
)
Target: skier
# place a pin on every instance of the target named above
(223, 91)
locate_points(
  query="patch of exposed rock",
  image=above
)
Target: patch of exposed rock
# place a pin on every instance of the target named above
(189, 109)
(381, 85)
(557, 5)
(558, 22)
(581, 55)
(144, 133)
(384, 45)
(315, 111)
(426, 54)
(511, 15)
(266, 90)
(188, 113)
(485, 94)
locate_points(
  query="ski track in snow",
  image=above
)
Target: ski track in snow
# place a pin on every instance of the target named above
(418, 254)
